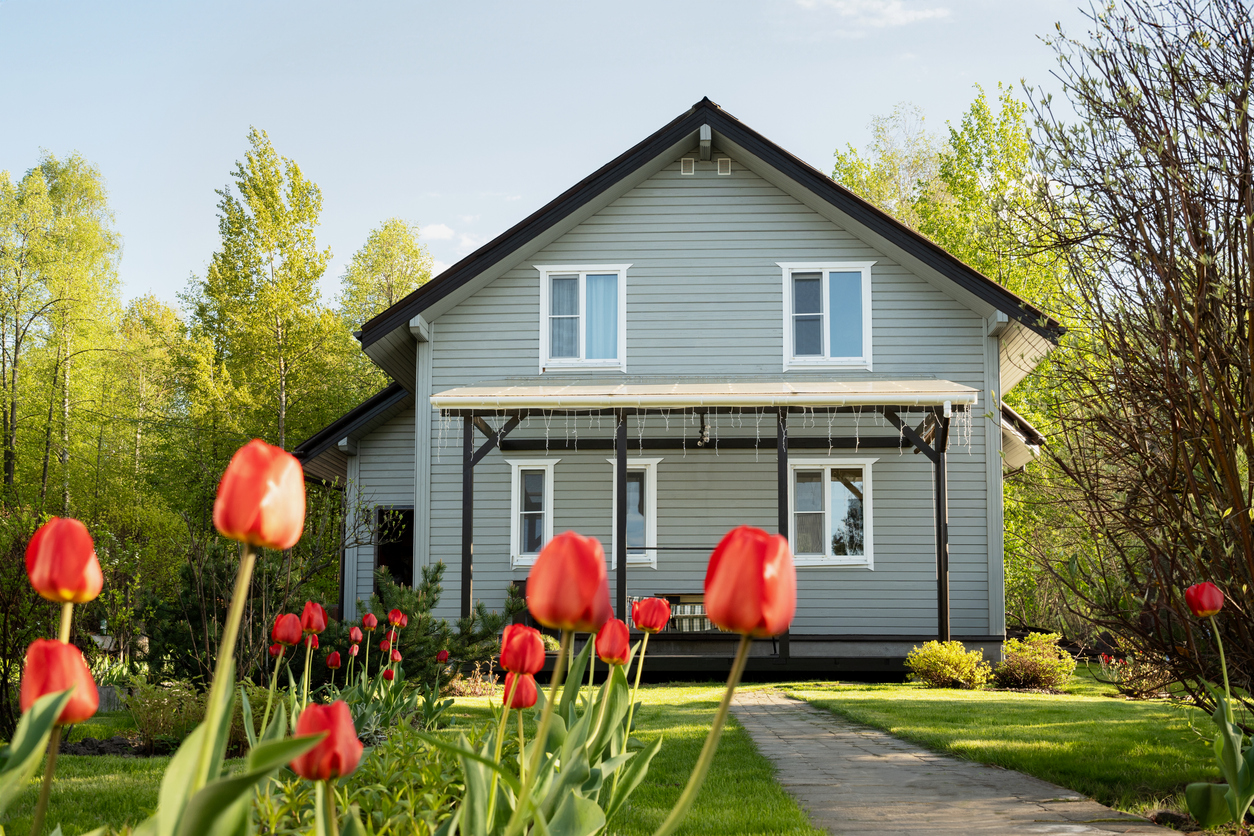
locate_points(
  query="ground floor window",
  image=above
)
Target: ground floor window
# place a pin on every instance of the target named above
(641, 511)
(831, 511)
(531, 508)
(394, 543)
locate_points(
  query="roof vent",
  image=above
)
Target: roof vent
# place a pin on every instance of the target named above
(707, 140)
(724, 165)
(687, 165)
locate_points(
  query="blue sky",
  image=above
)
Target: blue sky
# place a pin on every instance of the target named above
(461, 117)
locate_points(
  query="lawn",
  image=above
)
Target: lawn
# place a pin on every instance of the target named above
(1131, 755)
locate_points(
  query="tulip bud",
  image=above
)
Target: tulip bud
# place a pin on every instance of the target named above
(442, 656)
(314, 618)
(61, 562)
(651, 615)
(352, 650)
(398, 619)
(337, 754)
(1204, 599)
(261, 498)
(354, 634)
(333, 661)
(751, 583)
(312, 641)
(385, 646)
(567, 588)
(286, 630)
(389, 674)
(396, 655)
(613, 642)
(522, 649)
(275, 649)
(524, 692)
(53, 666)
(369, 622)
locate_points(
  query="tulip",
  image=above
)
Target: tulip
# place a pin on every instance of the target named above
(261, 498)
(567, 588)
(354, 634)
(751, 584)
(651, 615)
(385, 646)
(442, 656)
(522, 649)
(53, 666)
(388, 674)
(396, 655)
(61, 562)
(523, 688)
(1204, 599)
(369, 622)
(287, 630)
(311, 641)
(336, 755)
(333, 661)
(613, 643)
(398, 619)
(275, 649)
(352, 651)
(314, 618)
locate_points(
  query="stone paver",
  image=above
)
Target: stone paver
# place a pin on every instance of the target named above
(854, 779)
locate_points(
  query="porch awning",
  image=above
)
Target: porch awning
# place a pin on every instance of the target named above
(695, 395)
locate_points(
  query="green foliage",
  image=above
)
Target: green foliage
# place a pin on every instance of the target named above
(20, 759)
(388, 267)
(166, 714)
(1035, 661)
(948, 665)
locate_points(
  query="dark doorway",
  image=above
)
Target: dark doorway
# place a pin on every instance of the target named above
(394, 543)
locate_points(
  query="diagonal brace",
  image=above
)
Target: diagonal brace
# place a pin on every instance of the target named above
(494, 438)
(912, 434)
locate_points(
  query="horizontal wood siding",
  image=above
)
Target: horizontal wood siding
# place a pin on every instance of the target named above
(385, 467)
(704, 297)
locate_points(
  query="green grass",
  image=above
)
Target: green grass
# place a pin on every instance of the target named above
(1131, 755)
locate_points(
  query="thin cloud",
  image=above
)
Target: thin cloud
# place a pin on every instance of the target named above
(438, 267)
(876, 14)
(470, 242)
(438, 232)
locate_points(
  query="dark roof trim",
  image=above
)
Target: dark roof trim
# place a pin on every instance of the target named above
(1031, 435)
(349, 421)
(707, 112)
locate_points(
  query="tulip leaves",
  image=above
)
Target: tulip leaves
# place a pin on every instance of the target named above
(22, 756)
(1215, 804)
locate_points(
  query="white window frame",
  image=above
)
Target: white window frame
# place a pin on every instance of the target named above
(791, 360)
(547, 363)
(517, 559)
(866, 560)
(649, 467)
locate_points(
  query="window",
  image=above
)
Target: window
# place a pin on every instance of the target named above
(583, 316)
(830, 501)
(531, 508)
(827, 315)
(641, 512)
(394, 543)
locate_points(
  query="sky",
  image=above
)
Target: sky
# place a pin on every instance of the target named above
(462, 118)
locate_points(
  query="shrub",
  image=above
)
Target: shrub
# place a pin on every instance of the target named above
(1034, 662)
(948, 665)
(165, 714)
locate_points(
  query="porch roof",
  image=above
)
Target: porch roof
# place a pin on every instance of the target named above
(685, 395)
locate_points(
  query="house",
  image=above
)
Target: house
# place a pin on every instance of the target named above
(705, 332)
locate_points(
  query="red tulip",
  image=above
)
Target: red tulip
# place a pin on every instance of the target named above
(385, 645)
(567, 588)
(388, 674)
(524, 691)
(276, 649)
(338, 753)
(522, 649)
(286, 630)
(613, 642)
(396, 655)
(751, 584)
(53, 666)
(314, 618)
(312, 641)
(61, 562)
(369, 622)
(333, 661)
(651, 615)
(442, 656)
(398, 619)
(1204, 599)
(352, 651)
(261, 498)
(354, 634)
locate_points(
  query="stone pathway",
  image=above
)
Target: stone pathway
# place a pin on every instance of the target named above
(855, 779)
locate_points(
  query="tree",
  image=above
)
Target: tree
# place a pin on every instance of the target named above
(897, 168)
(1153, 209)
(388, 267)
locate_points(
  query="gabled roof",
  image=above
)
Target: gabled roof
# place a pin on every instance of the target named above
(679, 130)
(320, 455)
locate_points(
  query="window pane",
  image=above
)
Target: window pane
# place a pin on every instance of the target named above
(635, 511)
(602, 329)
(532, 533)
(564, 296)
(809, 534)
(808, 336)
(845, 316)
(809, 490)
(807, 293)
(847, 499)
(532, 490)
(564, 336)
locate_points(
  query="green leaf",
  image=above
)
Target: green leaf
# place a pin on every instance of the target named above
(617, 698)
(631, 777)
(475, 801)
(277, 729)
(576, 816)
(1207, 804)
(466, 752)
(574, 679)
(352, 822)
(176, 784)
(449, 827)
(247, 711)
(30, 741)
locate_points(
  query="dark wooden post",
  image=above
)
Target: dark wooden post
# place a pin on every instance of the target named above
(468, 514)
(940, 442)
(781, 455)
(620, 516)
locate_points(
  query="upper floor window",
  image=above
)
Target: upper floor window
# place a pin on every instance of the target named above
(583, 316)
(827, 314)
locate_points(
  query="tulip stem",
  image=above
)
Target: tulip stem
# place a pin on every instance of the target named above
(226, 662)
(308, 662)
(1223, 665)
(631, 709)
(265, 718)
(522, 766)
(41, 808)
(517, 820)
(711, 744)
(592, 664)
(67, 621)
(365, 666)
(327, 790)
(500, 738)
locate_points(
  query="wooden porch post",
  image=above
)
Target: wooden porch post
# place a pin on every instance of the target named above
(468, 514)
(781, 455)
(620, 516)
(940, 442)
